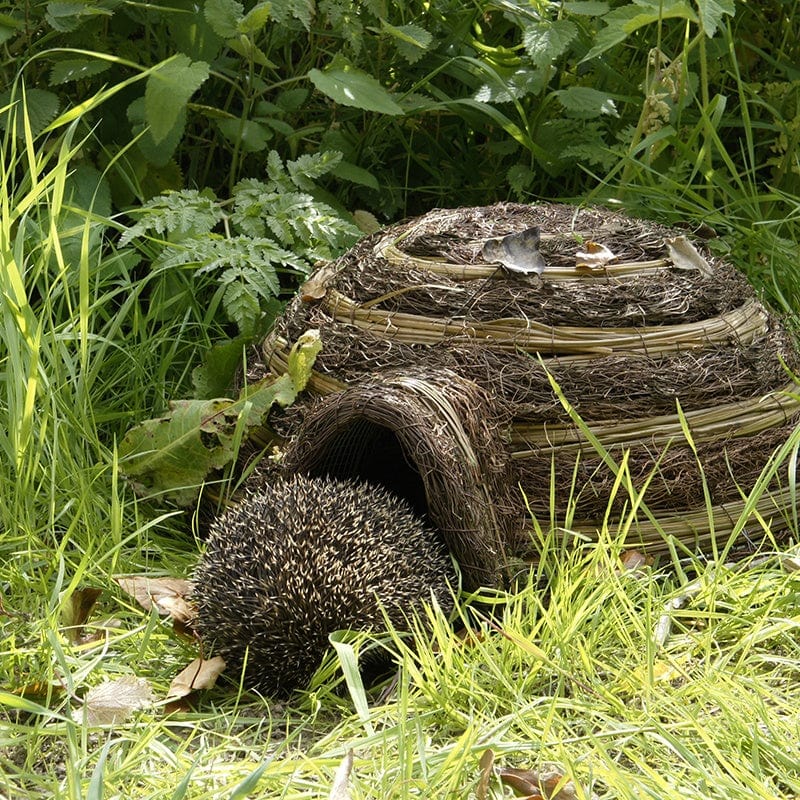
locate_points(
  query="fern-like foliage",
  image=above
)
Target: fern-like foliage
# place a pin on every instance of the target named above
(274, 226)
(176, 216)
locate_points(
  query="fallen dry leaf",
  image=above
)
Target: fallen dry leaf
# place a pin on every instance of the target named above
(634, 561)
(594, 258)
(547, 784)
(75, 610)
(487, 770)
(340, 790)
(114, 701)
(200, 674)
(685, 255)
(316, 287)
(168, 596)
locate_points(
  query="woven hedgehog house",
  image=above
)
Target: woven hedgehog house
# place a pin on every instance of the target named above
(454, 381)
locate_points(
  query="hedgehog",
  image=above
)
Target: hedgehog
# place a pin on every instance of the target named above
(297, 559)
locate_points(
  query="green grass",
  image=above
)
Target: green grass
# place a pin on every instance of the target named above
(567, 672)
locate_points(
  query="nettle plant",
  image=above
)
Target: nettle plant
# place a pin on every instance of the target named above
(246, 250)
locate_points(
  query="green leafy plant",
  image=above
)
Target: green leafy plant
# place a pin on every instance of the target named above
(269, 228)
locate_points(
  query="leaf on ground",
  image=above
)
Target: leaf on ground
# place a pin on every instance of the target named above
(487, 771)
(634, 561)
(685, 255)
(75, 610)
(790, 563)
(546, 784)
(168, 596)
(340, 790)
(114, 701)
(200, 674)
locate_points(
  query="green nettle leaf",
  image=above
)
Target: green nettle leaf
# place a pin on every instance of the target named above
(69, 16)
(546, 41)
(411, 41)
(521, 82)
(9, 27)
(302, 10)
(621, 22)
(74, 69)
(156, 153)
(350, 86)
(40, 106)
(712, 12)
(584, 102)
(168, 90)
(224, 16)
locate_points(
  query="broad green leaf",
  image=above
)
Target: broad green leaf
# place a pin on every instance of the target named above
(252, 136)
(255, 19)
(350, 86)
(523, 81)
(712, 12)
(224, 16)
(586, 103)
(156, 153)
(169, 88)
(69, 16)
(175, 453)
(350, 172)
(546, 41)
(9, 26)
(74, 69)
(214, 377)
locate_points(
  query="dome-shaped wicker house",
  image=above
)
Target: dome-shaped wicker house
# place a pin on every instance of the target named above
(452, 372)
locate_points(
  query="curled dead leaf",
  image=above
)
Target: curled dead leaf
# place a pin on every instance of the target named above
(548, 784)
(168, 596)
(340, 790)
(75, 611)
(486, 764)
(634, 561)
(685, 255)
(593, 258)
(200, 674)
(316, 287)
